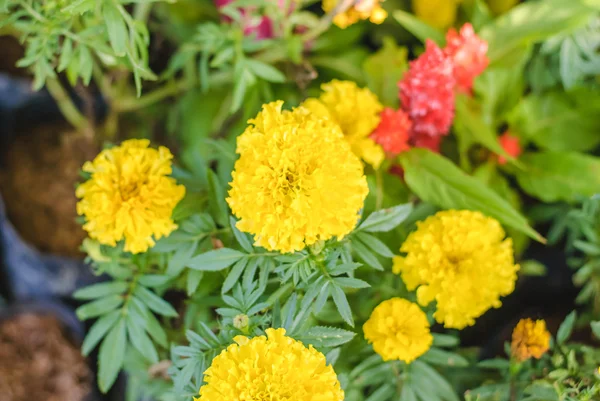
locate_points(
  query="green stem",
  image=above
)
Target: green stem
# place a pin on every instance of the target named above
(141, 11)
(67, 107)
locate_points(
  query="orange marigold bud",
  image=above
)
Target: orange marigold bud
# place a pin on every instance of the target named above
(530, 339)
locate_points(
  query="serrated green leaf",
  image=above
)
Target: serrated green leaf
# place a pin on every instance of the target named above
(154, 302)
(386, 219)
(215, 260)
(437, 180)
(141, 341)
(234, 275)
(566, 328)
(365, 255)
(241, 237)
(419, 28)
(98, 330)
(111, 356)
(350, 282)
(101, 290)
(341, 303)
(321, 336)
(374, 244)
(115, 26)
(99, 307)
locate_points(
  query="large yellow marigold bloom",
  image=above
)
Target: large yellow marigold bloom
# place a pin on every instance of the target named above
(530, 339)
(357, 111)
(130, 195)
(361, 10)
(398, 330)
(275, 367)
(437, 13)
(460, 259)
(296, 181)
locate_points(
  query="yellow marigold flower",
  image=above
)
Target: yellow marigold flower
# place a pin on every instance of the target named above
(361, 10)
(130, 195)
(437, 13)
(530, 339)
(460, 259)
(357, 111)
(275, 367)
(398, 330)
(296, 181)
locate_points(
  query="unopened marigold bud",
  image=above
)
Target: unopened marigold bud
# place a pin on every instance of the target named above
(241, 323)
(530, 339)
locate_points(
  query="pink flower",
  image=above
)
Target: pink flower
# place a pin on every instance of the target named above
(253, 22)
(393, 131)
(427, 93)
(469, 55)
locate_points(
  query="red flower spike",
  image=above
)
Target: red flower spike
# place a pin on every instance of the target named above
(511, 145)
(468, 52)
(427, 92)
(428, 142)
(392, 133)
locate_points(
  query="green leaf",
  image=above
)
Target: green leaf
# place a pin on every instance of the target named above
(566, 328)
(111, 356)
(215, 260)
(374, 244)
(218, 206)
(99, 307)
(386, 219)
(407, 393)
(596, 328)
(98, 330)
(350, 282)
(418, 28)
(497, 363)
(265, 71)
(437, 180)
(365, 254)
(437, 382)
(241, 237)
(154, 280)
(383, 393)
(542, 391)
(181, 257)
(154, 302)
(140, 340)
(234, 275)
(101, 290)
(193, 280)
(321, 336)
(555, 176)
(66, 55)
(115, 26)
(470, 127)
(341, 302)
(384, 69)
(444, 340)
(532, 22)
(437, 356)
(558, 120)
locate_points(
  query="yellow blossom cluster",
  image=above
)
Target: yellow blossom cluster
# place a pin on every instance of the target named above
(530, 339)
(357, 111)
(129, 196)
(296, 181)
(398, 330)
(359, 11)
(461, 260)
(275, 367)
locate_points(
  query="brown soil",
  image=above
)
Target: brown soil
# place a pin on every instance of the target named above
(37, 181)
(39, 362)
(12, 51)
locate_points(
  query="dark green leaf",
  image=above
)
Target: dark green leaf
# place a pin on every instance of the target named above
(99, 307)
(365, 254)
(111, 356)
(215, 260)
(341, 302)
(320, 336)
(115, 26)
(566, 328)
(140, 340)
(193, 280)
(384, 69)
(374, 244)
(98, 330)
(234, 274)
(154, 302)
(218, 206)
(596, 328)
(350, 282)
(437, 356)
(241, 237)
(444, 340)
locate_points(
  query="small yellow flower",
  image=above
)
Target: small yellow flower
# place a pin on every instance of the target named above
(361, 10)
(357, 111)
(398, 330)
(530, 339)
(460, 259)
(275, 367)
(296, 181)
(129, 196)
(438, 13)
